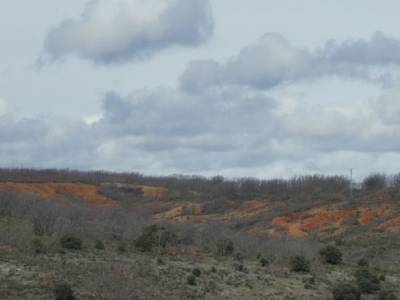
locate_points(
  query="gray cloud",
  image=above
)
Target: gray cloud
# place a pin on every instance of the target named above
(223, 120)
(45, 142)
(379, 50)
(236, 132)
(117, 31)
(273, 61)
(3, 106)
(388, 107)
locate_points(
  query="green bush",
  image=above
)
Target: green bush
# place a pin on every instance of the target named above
(331, 255)
(346, 292)
(63, 292)
(225, 247)
(367, 282)
(196, 272)
(155, 236)
(387, 295)
(147, 239)
(299, 264)
(264, 262)
(99, 245)
(191, 280)
(71, 243)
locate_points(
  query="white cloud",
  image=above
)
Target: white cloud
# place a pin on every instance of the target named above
(116, 31)
(92, 119)
(273, 61)
(224, 119)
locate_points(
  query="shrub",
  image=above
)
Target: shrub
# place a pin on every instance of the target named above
(147, 239)
(191, 280)
(331, 255)
(387, 295)
(121, 248)
(299, 264)
(367, 282)
(160, 261)
(196, 272)
(264, 262)
(63, 292)
(71, 243)
(37, 246)
(238, 256)
(225, 247)
(99, 245)
(155, 236)
(363, 263)
(346, 292)
(239, 268)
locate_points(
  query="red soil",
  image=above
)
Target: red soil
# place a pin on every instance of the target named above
(60, 191)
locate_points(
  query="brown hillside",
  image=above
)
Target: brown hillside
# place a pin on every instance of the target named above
(258, 214)
(60, 191)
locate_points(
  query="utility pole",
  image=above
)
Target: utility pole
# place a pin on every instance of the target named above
(351, 184)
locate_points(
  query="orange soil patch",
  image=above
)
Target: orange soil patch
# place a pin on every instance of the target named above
(194, 212)
(392, 225)
(369, 215)
(249, 209)
(60, 191)
(291, 227)
(155, 192)
(319, 220)
(181, 213)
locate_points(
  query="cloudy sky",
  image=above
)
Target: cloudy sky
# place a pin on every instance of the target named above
(260, 88)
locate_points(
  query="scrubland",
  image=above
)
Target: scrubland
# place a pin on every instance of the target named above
(98, 235)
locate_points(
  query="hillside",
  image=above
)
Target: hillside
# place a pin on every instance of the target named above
(336, 216)
(272, 220)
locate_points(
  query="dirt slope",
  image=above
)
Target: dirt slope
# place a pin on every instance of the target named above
(60, 191)
(261, 214)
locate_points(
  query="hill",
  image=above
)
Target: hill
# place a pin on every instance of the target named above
(143, 237)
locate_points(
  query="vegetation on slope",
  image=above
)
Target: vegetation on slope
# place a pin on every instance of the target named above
(125, 236)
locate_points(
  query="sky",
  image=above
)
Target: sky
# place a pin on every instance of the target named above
(256, 88)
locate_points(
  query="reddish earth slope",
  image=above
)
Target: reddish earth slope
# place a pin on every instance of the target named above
(259, 215)
(324, 221)
(60, 191)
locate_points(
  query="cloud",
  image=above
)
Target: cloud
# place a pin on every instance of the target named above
(388, 107)
(225, 120)
(380, 49)
(118, 31)
(3, 106)
(273, 61)
(169, 113)
(45, 142)
(233, 132)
